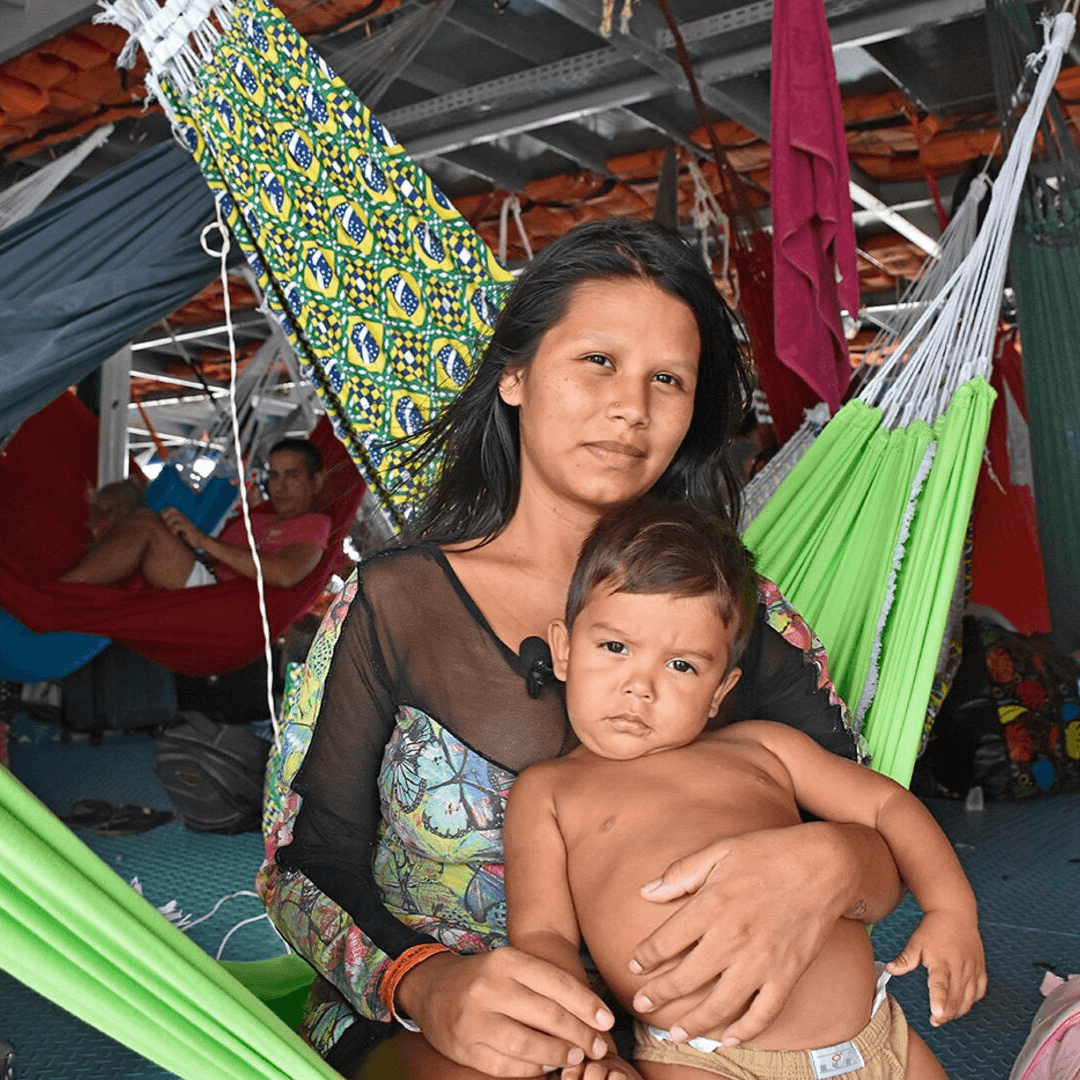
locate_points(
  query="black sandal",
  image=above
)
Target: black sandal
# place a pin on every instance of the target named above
(105, 819)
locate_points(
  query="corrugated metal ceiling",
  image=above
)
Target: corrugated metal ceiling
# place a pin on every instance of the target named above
(528, 97)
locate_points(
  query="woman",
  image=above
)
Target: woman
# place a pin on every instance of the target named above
(613, 371)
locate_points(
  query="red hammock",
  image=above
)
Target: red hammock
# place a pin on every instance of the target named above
(44, 475)
(1006, 560)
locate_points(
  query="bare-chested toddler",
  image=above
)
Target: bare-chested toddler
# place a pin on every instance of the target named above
(658, 613)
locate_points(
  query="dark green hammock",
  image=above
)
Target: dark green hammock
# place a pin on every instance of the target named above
(1045, 263)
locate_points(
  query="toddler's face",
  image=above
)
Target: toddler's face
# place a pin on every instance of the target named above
(643, 672)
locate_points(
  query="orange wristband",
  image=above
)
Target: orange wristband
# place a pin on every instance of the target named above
(400, 968)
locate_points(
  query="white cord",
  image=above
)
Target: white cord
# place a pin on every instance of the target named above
(187, 924)
(260, 584)
(242, 922)
(952, 340)
(512, 205)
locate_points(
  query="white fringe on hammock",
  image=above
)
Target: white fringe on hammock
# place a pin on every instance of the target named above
(952, 341)
(178, 37)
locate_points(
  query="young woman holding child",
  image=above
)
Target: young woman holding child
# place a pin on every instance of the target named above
(613, 372)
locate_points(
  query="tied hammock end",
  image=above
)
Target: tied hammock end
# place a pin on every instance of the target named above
(177, 36)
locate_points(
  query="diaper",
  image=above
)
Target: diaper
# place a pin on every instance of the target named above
(878, 1052)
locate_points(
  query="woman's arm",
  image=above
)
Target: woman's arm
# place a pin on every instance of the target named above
(322, 880)
(317, 883)
(810, 875)
(511, 1002)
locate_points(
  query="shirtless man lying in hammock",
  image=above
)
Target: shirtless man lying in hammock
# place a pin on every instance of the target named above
(172, 553)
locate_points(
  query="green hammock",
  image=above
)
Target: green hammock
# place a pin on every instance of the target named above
(75, 932)
(864, 537)
(869, 526)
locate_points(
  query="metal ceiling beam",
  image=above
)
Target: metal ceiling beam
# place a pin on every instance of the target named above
(865, 217)
(748, 113)
(571, 140)
(577, 144)
(257, 321)
(504, 172)
(894, 220)
(859, 29)
(654, 114)
(528, 118)
(889, 73)
(572, 143)
(500, 169)
(35, 21)
(172, 380)
(544, 79)
(507, 32)
(572, 105)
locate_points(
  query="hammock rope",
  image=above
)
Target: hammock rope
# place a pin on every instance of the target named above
(23, 198)
(370, 62)
(260, 582)
(883, 496)
(961, 320)
(956, 242)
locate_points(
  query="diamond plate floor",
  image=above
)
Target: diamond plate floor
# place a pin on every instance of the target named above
(1023, 860)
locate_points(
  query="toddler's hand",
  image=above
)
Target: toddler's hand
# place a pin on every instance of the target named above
(947, 943)
(609, 1068)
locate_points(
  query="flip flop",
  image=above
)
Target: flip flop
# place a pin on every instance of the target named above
(105, 819)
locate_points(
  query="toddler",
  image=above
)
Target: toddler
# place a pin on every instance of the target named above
(659, 608)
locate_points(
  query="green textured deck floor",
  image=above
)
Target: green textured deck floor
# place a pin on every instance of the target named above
(1023, 860)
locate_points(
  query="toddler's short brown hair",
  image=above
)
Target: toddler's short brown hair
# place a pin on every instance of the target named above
(669, 547)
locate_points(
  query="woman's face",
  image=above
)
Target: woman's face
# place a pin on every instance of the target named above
(608, 397)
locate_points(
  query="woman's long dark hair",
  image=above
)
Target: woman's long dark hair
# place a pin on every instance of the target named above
(475, 440)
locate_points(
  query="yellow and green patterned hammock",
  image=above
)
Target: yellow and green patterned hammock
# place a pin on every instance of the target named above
(385, 292)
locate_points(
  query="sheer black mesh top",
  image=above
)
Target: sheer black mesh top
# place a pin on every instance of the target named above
(414, 637)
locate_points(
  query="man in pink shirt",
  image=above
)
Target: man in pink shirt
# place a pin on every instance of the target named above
(172, 553)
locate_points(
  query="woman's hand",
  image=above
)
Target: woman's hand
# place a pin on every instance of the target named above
(504, 1012)
(763, 905)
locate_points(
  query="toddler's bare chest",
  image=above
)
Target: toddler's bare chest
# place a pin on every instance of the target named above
(660, 808)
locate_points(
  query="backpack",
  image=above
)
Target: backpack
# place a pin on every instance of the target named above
(1011, 722)
(1052, 1051)
(213, 773)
